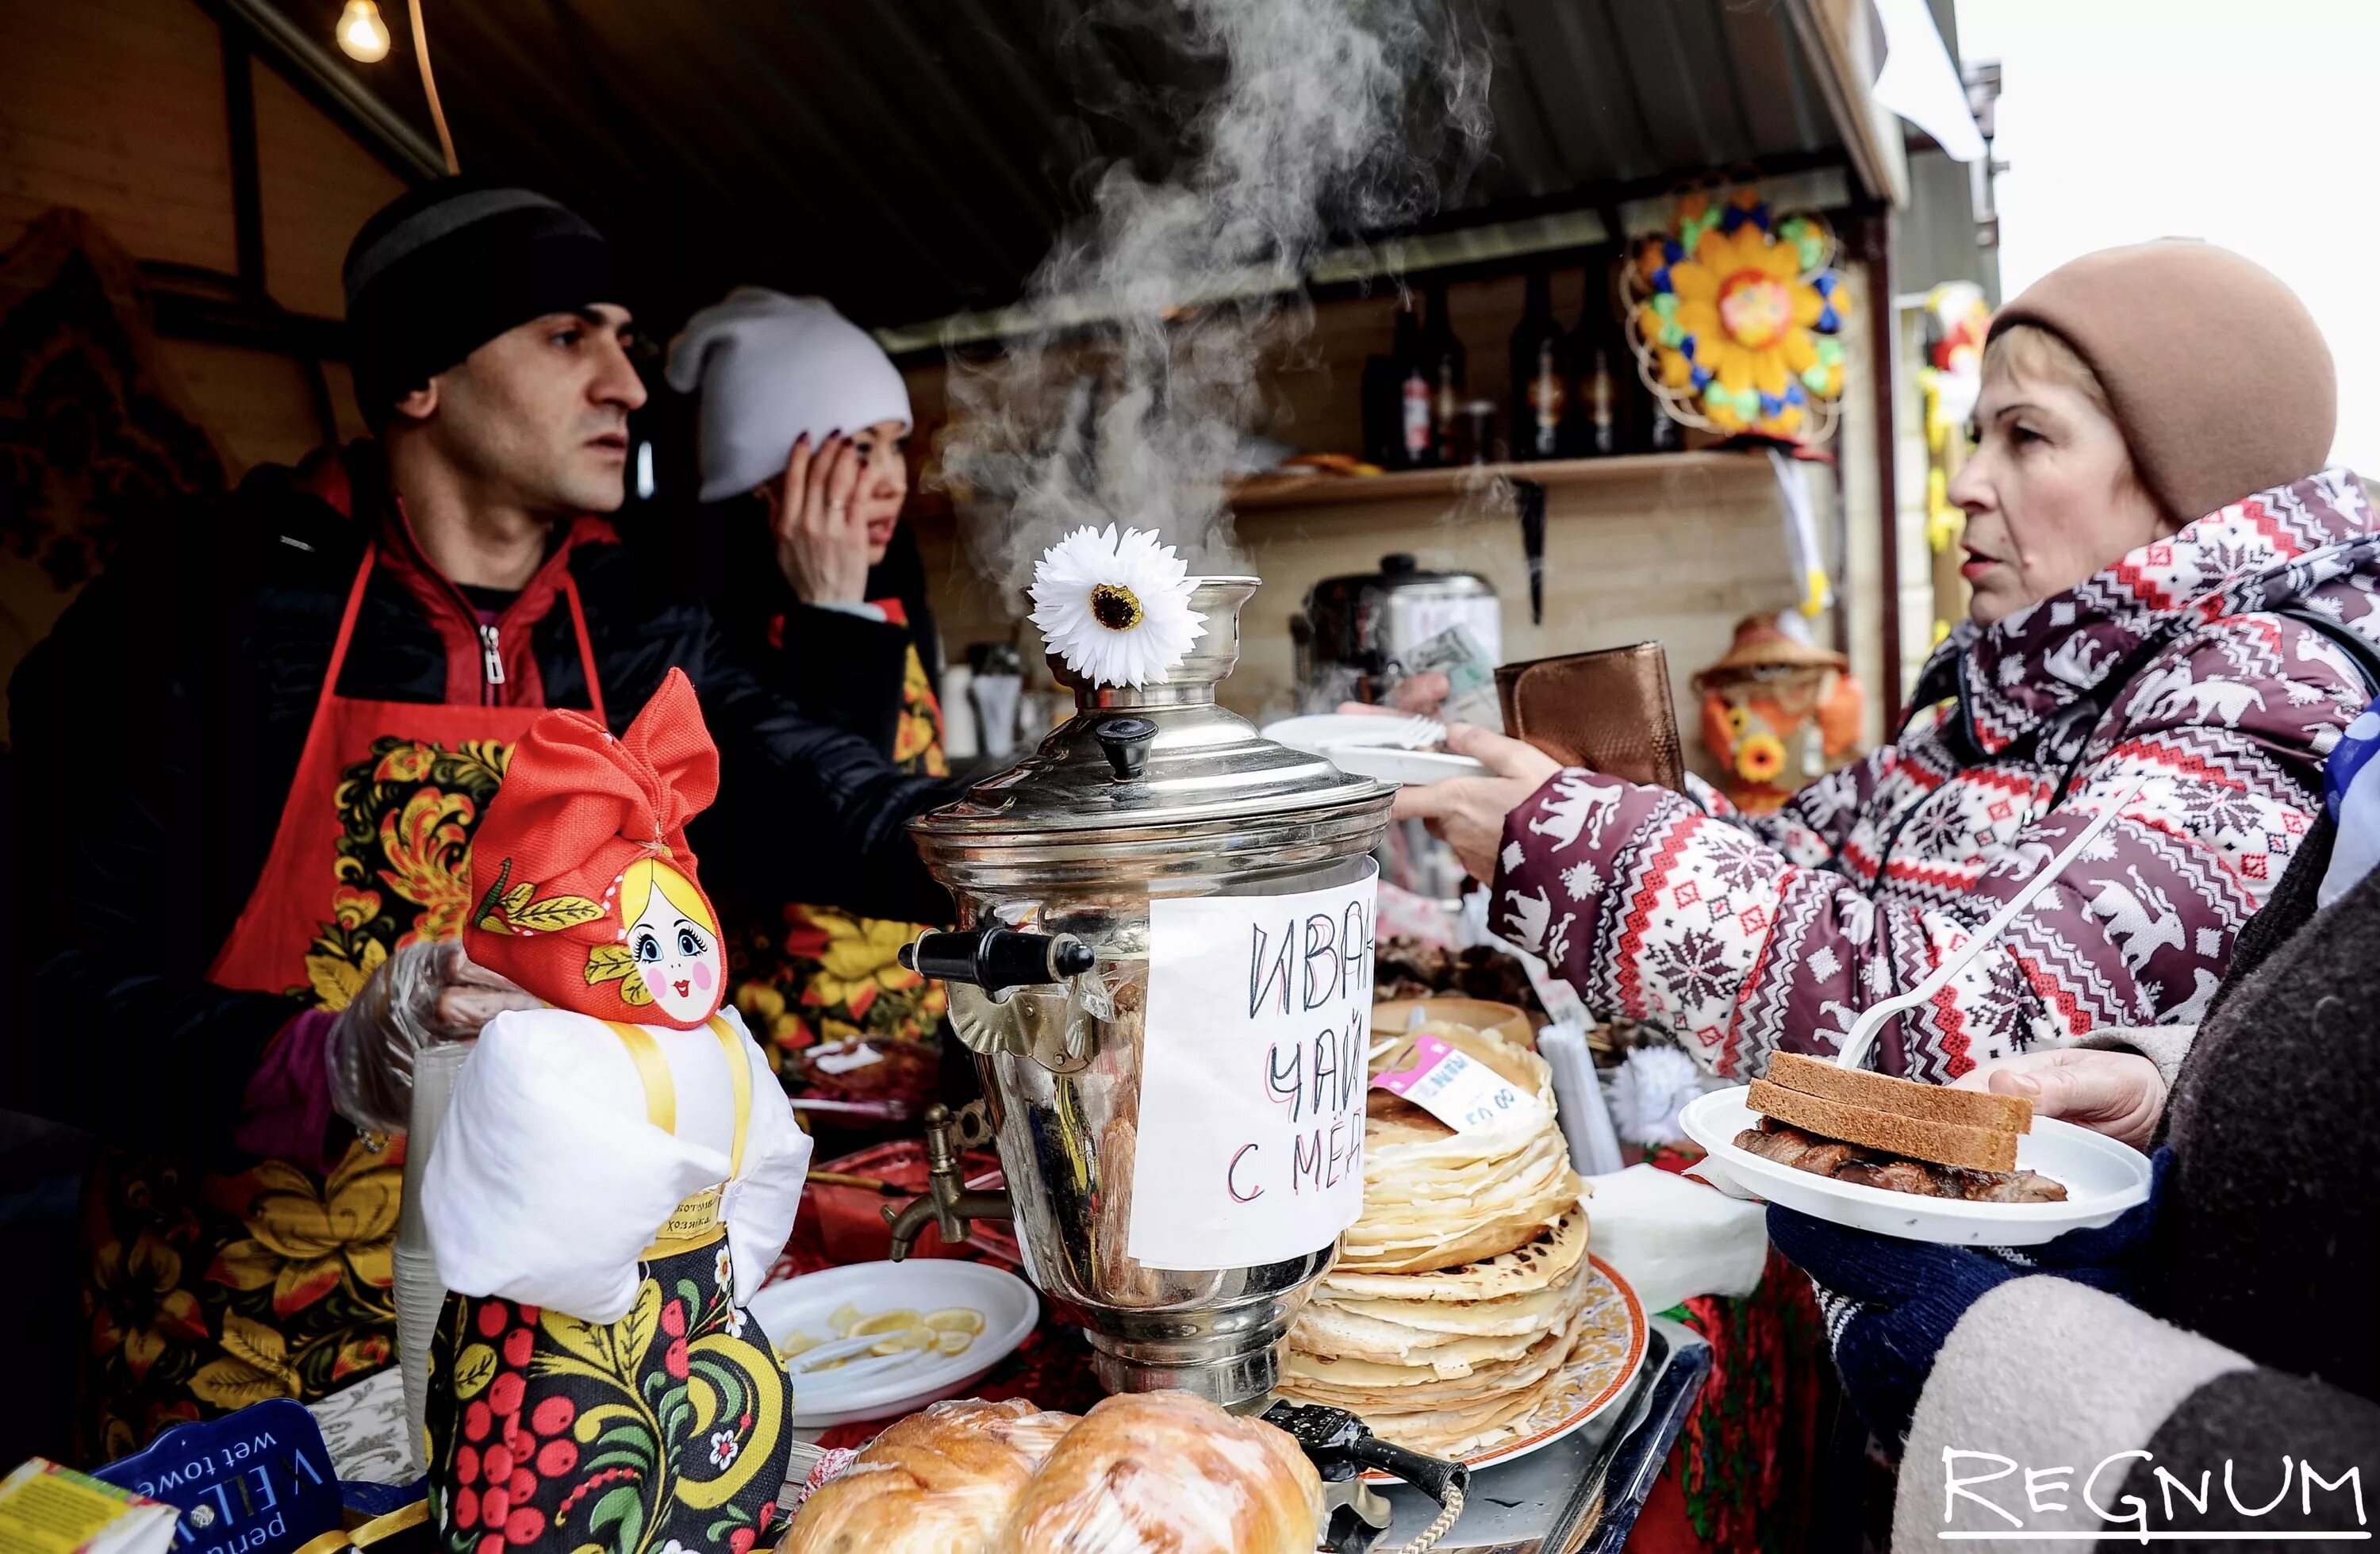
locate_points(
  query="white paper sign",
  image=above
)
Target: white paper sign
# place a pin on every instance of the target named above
(1252, 1076)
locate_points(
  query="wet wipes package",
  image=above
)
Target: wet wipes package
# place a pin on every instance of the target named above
(255, 1482)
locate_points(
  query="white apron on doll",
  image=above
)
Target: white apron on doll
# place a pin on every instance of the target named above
(605, 1194)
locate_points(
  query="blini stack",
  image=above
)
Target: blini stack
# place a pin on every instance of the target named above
(1455, 1303)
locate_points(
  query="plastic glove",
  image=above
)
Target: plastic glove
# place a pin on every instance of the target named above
(1889, 1304)
(428, 991)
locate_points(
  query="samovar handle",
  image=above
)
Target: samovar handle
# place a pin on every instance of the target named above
(996, 959)
(1341, 1447)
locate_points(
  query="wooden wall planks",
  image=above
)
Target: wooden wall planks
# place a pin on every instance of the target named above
(318, 187)
(116, 107)
(1676, 554)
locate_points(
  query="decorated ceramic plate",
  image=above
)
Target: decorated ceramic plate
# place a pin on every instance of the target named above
(1593, 1382)
(2102, 1179)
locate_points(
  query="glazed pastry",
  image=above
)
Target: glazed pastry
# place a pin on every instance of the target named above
(1166, 1473)
(941, 1481)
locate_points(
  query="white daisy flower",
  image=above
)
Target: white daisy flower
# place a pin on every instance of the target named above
(722, 1448)
(1116, 611)
(721, 1269)
(735, 1320)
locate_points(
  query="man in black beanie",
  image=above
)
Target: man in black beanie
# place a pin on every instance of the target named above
(259, 746)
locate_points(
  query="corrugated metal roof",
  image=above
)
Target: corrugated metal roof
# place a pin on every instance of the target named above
(915, 158)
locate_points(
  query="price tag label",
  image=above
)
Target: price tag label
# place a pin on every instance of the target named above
(1465, 1095)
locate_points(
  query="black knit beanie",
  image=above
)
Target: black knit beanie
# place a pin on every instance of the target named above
(446, 268)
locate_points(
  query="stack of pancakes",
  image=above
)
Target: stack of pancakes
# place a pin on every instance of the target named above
(1457, 1301)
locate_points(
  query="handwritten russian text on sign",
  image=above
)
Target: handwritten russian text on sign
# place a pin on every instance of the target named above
(1251, 1140)
(1464, 1094)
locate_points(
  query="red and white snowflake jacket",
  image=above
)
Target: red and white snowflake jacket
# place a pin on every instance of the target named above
(1749, 936)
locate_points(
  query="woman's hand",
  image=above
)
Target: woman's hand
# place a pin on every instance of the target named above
(2119, 1094)
(1419, 694)
(1416, 695)
(1468, 812)
(822, 542)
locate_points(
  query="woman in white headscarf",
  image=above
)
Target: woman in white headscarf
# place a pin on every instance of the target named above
(803, 423)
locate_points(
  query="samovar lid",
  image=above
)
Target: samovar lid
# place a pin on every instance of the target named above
(1195, 773)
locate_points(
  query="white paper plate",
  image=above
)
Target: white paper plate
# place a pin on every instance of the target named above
(1390, 764)
(2102, 1179)
(1593, 1383)
(803, 1305)
(1363, 745)
(1319, 731)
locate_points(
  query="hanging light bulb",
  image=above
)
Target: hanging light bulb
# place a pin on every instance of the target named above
(362, 35)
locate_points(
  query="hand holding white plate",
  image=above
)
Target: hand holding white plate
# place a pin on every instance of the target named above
(1392, 748)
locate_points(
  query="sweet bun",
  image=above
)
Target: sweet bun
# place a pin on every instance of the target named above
(941, 1481)
(1166, 1473)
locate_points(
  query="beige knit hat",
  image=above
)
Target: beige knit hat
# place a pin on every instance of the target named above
(2218, 375)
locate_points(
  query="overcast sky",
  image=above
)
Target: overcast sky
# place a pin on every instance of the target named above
(2248, 125)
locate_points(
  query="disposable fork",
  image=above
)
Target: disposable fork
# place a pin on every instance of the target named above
(1863, 1030)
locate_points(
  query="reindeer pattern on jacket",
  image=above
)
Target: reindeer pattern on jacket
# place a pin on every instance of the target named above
(1748, 936)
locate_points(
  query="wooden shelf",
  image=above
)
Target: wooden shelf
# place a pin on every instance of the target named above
(1270, 492)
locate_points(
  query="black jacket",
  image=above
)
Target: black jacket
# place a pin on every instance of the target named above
(158, 727)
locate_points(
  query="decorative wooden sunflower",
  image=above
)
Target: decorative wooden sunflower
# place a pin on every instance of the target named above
(1734, 318)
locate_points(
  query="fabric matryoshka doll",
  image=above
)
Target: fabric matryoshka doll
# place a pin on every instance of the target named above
(612, 1179)
(1777, 712)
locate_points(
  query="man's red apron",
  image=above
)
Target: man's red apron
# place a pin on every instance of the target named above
(208, 1292)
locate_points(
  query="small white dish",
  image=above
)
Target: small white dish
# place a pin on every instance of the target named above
(1365, 745)
(1414, 767)
(804, 1304)
(2102, 1179)
(1318, 731)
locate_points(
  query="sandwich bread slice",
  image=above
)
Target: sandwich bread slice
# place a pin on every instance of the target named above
(1970, 1129)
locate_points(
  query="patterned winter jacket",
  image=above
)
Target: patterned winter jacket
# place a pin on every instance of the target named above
(1746, 936)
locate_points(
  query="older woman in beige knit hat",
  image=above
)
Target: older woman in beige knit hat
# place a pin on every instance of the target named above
(2169, 589)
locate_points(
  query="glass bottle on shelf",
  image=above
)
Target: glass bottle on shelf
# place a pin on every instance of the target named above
(1601, 357)
(1541, 392)
(1598, 386)
(1662, 433)
(1416, 442)
(1443, 354)
(1382, 432)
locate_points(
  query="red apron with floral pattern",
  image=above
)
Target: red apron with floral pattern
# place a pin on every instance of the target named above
(822, 974)
(206, 1290)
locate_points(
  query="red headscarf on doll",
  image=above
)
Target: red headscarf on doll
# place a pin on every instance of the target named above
(583, 888)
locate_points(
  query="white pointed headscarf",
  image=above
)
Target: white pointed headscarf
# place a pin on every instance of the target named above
(769, 368)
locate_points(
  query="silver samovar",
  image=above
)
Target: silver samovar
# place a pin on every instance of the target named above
(1141, 794)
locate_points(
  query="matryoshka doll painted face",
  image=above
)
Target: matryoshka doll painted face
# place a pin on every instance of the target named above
(673, 940)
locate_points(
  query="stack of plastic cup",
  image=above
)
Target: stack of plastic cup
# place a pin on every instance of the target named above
(419, 1294)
